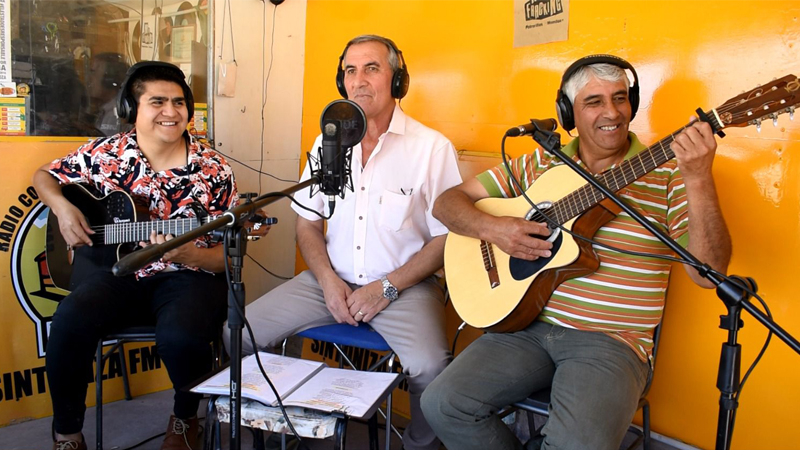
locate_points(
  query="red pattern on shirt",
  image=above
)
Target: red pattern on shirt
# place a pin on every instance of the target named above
(115, 163)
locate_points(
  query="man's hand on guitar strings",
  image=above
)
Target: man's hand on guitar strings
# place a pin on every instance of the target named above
(73, 226)
(183, 254)
(517, 237)
(694, 150)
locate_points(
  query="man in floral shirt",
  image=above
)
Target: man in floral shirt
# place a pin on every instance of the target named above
(171, 175)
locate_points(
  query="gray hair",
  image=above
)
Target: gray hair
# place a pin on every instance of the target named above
(394, 60)
(602, 71)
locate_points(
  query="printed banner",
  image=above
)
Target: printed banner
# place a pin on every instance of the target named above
(5, 41)
(540, 21)
(28, 297)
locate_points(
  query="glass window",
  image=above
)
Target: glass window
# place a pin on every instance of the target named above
(69, 59)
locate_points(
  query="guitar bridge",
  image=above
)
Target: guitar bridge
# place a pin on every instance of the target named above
(489, 264)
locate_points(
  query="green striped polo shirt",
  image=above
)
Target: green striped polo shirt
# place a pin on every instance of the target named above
(625, 297)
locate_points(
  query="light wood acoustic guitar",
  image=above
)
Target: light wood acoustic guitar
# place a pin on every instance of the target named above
(499, 293)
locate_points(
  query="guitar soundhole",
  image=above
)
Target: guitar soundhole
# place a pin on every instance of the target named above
(521, 269)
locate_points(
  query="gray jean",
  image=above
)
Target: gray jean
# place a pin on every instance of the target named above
(413, 326)
(596, 383)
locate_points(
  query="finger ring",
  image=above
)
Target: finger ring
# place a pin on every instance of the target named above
(359, 312)
(69, 247)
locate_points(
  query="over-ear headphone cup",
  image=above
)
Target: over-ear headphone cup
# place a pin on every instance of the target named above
(564, 111)
(126, 111)
(340, 80)
(633, 98)
(130, 111)
(400, 81)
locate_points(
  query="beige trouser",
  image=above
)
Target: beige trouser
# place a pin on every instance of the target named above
(413, 326)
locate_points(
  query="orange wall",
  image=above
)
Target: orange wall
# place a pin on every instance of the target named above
(469, 82)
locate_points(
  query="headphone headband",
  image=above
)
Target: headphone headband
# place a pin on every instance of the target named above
(564, 105)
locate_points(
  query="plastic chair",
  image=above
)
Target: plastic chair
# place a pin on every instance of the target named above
(362, 336)
(130, 334)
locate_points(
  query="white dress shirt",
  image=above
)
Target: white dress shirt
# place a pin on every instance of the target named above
(388, 219)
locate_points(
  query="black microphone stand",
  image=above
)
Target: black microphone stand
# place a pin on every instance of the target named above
(733, 291)
(236, 244)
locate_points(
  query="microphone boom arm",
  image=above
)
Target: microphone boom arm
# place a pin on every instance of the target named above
(234, 216)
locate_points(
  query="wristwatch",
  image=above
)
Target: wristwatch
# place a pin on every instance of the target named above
(389, 291)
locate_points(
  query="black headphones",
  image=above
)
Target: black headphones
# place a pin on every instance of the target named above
(400, 78)
(564, 106)
(126, 103)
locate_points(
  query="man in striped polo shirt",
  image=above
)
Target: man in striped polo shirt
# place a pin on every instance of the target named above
(593, 340)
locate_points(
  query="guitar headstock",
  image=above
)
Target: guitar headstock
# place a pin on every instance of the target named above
(767, 101)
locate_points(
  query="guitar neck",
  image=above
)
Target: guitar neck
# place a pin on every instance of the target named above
(121, 233)
(628, 171)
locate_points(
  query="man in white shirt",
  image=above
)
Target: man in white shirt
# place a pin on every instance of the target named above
(376, 261)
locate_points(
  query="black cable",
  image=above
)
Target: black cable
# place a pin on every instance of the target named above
(241, 314)
(761, 353)
(264, 91)
(252, 168)
(280, 277)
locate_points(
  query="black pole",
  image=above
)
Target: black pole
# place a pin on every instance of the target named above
(732, 291)
(236, 243)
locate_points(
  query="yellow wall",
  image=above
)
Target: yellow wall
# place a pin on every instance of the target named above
(469, 82)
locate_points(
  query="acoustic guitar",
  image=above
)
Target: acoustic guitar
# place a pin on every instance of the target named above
(499, 293)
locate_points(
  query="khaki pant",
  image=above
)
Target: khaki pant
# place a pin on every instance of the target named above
(413, 326)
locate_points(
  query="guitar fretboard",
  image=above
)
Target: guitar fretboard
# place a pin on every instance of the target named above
(120, 233)
(628, 171)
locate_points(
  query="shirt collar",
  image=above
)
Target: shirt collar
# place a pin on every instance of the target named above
(398, 123)
(636, 146)
(195, 151)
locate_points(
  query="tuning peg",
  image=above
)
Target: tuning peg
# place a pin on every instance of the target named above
(774, 120)
(758, 125)
(791, 113)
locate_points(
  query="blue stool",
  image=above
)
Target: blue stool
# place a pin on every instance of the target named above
(362, 336)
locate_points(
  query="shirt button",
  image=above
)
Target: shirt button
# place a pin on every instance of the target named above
(362, 188)
(358, 248)
(360, 217)
(361, 276)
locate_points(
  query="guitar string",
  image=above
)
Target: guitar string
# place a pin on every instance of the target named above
(579, 200)
(628, 168)
(555, 224)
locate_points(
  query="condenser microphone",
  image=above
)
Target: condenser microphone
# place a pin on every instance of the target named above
(343, 124)
(529, 128)
(332, 159)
